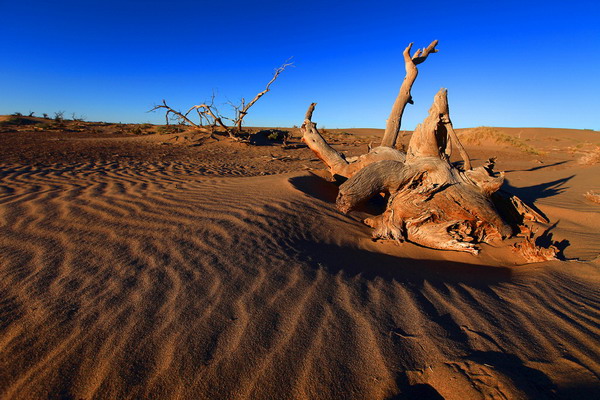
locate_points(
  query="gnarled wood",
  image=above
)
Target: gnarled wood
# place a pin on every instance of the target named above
(431, 202)
(424, 144)
(404, 97)
(337, 164)
(530, 250)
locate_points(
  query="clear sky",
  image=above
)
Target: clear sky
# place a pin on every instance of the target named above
(505, 63)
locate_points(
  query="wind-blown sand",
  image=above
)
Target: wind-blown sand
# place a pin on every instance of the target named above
(132, 269)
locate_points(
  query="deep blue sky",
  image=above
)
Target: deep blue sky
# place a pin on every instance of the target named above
(505, 63)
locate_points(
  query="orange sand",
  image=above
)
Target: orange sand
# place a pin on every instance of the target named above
(141, 275)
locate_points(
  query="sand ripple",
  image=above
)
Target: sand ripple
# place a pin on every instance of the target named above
(133, 280)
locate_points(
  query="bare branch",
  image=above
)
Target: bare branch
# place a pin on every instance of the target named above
(177, 114)
(404, 97)
(209, 112)
(310, 111)
(243, 110)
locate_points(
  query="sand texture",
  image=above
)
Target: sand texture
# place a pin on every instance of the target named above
(134, 269)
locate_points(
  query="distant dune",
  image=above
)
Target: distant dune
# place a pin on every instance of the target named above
(135, 264)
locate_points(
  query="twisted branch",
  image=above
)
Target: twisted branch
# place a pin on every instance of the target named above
(395, 119)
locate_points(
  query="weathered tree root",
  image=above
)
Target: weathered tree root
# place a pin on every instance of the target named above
(431, 202)
(531, 251)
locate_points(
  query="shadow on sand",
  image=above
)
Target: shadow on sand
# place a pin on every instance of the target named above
(538, 167)
(439, 274)
(540, 191)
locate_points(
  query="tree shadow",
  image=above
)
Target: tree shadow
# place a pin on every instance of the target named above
(316, 185)
(534, 383)
(540, 191)
(538, 167)
(531, 382)
(545, 240)
(421, 391)
(369, 265)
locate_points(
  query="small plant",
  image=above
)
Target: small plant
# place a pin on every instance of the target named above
(59, 116)
(476, 135)
(31, 113)
(592, 196)
(137, 129)
(17, 114)
(591, 158)
(164, 130)
(45, 115)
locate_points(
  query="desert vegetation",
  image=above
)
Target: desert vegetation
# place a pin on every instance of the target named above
(592, 196)
(591, 158)
(482, 134)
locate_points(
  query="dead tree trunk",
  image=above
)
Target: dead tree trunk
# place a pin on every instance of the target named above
(431, 202)
(242, 110)
(208, 112)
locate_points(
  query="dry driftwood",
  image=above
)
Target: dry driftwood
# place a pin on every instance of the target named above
(530, 250)
(431, 202)
(338, 166)
(404, 97)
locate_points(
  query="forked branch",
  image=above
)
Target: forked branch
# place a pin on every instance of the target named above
(212, 116)
(394, 121)
(243, 109)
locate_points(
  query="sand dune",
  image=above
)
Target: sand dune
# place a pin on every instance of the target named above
(124, 280)
(173, 274)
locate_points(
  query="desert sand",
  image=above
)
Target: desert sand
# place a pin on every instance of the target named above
(177, 266)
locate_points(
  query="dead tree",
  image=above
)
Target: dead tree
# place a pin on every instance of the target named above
(392, 127)
(242, 109)
(209, 118)
(431, 202)
(337, 164)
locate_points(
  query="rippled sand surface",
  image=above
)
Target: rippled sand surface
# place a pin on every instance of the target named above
(135, 269)
(129, 280)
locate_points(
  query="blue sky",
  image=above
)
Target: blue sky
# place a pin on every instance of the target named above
(505, 63)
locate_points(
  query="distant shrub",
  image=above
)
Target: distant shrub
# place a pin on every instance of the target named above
(137, 129)
(45, 115)
(592, 196)
(17, 114)
(59, 116)
(274, 135)
(18, 120)
(75, 118)
(268, 136)
(166, 129)
(476, 135)
(591, 158)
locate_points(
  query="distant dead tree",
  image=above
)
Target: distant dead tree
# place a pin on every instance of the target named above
(431, 202)
(209, 117)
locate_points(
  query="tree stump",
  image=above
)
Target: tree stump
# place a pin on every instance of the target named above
(431, 202)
